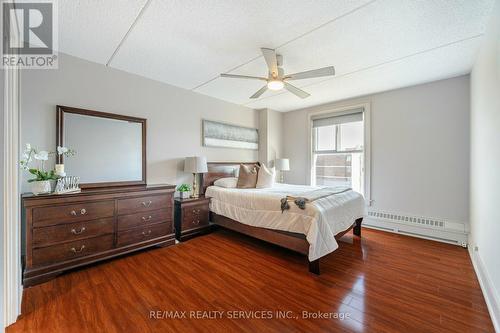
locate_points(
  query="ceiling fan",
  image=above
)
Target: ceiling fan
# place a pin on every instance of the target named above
(277, 80)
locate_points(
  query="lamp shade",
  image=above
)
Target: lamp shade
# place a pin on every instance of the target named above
(195, 164)
(282, 164)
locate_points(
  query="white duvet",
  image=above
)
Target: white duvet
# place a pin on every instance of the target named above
(320, 221)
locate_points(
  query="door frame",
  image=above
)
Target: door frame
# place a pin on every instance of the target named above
(12, 270)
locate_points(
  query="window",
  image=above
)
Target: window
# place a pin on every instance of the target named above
(338, 150)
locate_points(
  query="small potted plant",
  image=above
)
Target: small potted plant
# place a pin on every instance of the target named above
(184, 190)
(44, 181)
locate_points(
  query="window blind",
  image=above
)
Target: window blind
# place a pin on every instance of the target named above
(337, 119)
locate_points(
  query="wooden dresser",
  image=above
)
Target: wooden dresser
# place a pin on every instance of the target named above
(67, 231)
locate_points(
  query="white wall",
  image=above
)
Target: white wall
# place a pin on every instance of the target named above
(485, 161)
(174, 114)
(296, 145)
(419, 147)
(263, 135)
(270, 136)
(275, 136)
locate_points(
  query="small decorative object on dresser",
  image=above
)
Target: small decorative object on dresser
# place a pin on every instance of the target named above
(70, 230)
(44, 181)
(195, 165)
(191, 217)
(68, 185)
(60, 170)
(184, 190)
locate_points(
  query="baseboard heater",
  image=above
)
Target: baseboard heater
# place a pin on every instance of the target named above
(418, 226)
(377, 227)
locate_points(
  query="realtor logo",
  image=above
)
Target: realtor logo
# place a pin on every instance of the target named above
(29, 32)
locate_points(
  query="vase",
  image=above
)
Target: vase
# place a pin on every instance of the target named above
(184, 195)
(53, 184)
(40, 187)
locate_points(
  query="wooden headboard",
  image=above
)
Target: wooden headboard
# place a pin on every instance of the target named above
(217, 170)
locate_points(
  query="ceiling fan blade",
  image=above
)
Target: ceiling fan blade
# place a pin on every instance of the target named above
(325, 71)
(296, 91)
(259, 92)
(279, 60)
(234, 76)
(271, 60)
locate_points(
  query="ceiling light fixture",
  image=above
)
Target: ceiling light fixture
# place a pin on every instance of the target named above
(275, 84)
(277, 79)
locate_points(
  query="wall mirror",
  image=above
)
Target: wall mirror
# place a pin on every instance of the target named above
(110, 148)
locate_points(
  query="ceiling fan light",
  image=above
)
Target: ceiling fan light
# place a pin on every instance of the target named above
(275, 84)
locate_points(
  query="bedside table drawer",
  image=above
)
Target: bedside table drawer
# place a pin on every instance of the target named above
(191, 217)
(194, 217)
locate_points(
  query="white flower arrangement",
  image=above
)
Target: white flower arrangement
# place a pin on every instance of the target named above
(42, 155)
(30, 153)
(62, 150)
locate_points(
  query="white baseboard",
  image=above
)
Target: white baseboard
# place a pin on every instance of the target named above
(489, 291)
(444, 235)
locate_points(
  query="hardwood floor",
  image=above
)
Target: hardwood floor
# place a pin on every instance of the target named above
(383, 282)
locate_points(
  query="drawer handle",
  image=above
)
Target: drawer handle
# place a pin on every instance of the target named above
(78, 251)
(145, 219)
(75, 232)
(146, 234)
(147, 204)
(196, 222)
(196, 211)
(83, 211)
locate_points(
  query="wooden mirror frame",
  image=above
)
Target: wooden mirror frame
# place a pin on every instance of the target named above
(62, 110)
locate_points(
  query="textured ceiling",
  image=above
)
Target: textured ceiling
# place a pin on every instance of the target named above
(375, 45)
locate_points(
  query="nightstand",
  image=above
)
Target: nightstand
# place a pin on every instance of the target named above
(191, 217)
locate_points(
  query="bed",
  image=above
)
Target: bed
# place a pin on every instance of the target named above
(312, 231)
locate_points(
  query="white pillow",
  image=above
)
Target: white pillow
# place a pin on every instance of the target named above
(266, 177)
(229, 182)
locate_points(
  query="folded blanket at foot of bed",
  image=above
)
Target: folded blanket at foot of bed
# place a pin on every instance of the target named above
(311, 196)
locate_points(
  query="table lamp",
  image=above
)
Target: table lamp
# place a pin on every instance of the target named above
(195, 165)
(282, 164)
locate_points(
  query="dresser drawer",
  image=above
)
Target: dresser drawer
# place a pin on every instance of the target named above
(194, 217)
(61, 214)
(68, 251)
(143, 234)
(144, 219)
(143, 204)
(71, 231)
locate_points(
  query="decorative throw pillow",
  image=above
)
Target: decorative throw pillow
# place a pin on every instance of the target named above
(229, 182)
(248, 176)
(265, 177)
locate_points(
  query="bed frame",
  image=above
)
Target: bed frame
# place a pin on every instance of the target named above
(290, 240)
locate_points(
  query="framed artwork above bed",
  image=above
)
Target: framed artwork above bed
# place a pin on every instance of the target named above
(217, 134)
